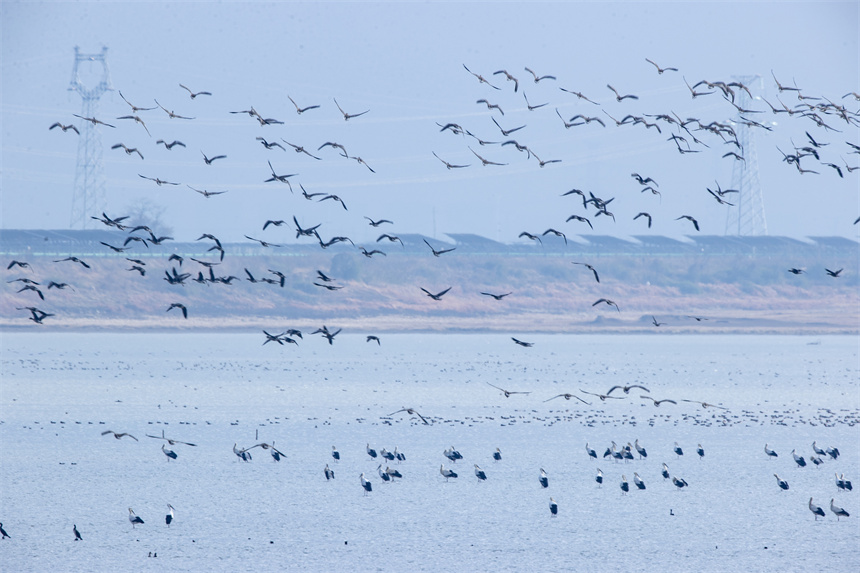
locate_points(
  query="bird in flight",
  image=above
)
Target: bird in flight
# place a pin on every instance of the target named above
(348, 116)
(450, 165)
(372, 338)
(410, 411)
(119, 435)
(64, 127)
(833, 274)
(171, 144)
(193, 94)
(602, 397)
(608, 302)
(658, 402)
(180, 306)
(659, 69)
(596, 277)
(484, 162)
(705, 404)
(627, 389)
(539, 78)
(301, 110)
(556, 233)
(496, 296)
(437, 296)
(300, 149)
(481, 78)
(170, 113)
(619, 97)
(524, 344)
(379, 222)
(580, 219)
(691, 219)
(491, 105)
(158, 181)
(505, 132)
(568, 397)
(209, 160)
(93, 121)
(436, 253)
(507, 393)
(128, 150)
(646, 215)
(268, 145)
(170, 441)
(134, 108)
(510, 78)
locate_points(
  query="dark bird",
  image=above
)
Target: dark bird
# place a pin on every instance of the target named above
(437, 296)
(450, 165)
(496, 296)
(372, 338)
(665, 471)
(365, 484)
(328, 287)
(436, 253)
(194, 94)
(93, 120)
(553, 507)
(539, 78)
(596, 278)
(654, 321)
(816, 510)
(74, 260)
(138, 120)
(599, 477)
(181, 307)
(485, 162)
(276, 177)
(781, 482)
(158, 181)
(497, 455)
(579, 95)
(833, 274)
(135, 108)
(57, 285)
(659, 69)
(209, 160)
(369, 254)
(480, 474)
(556, 233)
(525, 344)
(844, 484)
(619, 97)
(530, 237)
(507, 393)
(21, 264)
(625, 487)
(447, 473)
(328, 472)
(602, 397)
(658, 402)
(168, 519)
(114, 249)
(64, 127)
(301, 110)
(580, 219)
(505, 132)
(335, 198)
(170, 113)
(133, 518)
(679, 483)
(119, 435)
(568, 397)
(481, 78)
(509, 78)
(269, 145)
(678, 450)
(530, 106)
(335, 454)
(263, 243)
(544, 481)
(171, 144)
(606, 301)
(689, 218)
(626, 389)
(838, 511)
(391, 238)
(75, 531)
(323, 277)
(700, 451)
(348, 116)
(380, 222)
(171, 455)
(300, 149)
(795, 271)
(491, 105)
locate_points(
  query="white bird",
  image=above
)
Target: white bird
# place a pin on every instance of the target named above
(386, 454)
(544, 482)
(171, 455)
(838, 511)
(169, 517)
(393, 473)
(242, 454)
(700, 450)
(366, 485)
(599, 477)
(679, 483)
(798, 459)
(846, 483)
(370, 451)
(638, 481)
(625, 487)
(329, 473)
(640, 449)
(447, 473)
(781, 482)
(818, 450)
(590, 451)
(770, 453)
(399, 456)
(497, 455)
(452, 454)
(382, 475)
(553, 507)
(816, 510)
(665, 471)
(677, 449)
(479, 473)
(133, 518)
(335, 454)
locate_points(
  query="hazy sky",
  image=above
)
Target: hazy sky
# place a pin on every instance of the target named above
(404, 63)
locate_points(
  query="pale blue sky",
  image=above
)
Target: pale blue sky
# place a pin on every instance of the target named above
(404, 62)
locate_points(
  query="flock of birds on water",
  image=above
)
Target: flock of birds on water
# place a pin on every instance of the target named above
(686, 135)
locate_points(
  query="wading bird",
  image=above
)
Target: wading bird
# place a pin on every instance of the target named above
(816, 510)
(838, 511)
(133, 518)
(543, 479)
(77, 533)
(168, 519)
(781, 482)
(171, 455)
(553, 507)
(447, 473)
(479, 473)
(365, 484)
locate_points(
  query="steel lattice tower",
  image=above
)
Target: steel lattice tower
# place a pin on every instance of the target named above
(88, 198)
(746, 218)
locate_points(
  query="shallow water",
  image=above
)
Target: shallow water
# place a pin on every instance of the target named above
(60, 391)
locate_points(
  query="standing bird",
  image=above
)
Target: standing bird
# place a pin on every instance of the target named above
(77, 533)
(370, 451)
(798, 459)
(770, 453)
(599, 478)
(679, 483)
(329, 473)
(447, 473)
(638, 481)
(168, 519)
(553, 507)
(625, 487)
(781, 482)
(171, 455)
(479, 473)
(3, 532)
(590, 451)
(452, 454)
(544, 481)
(133, 518)
(665, 471)
(677, 449)
(700, 450)
(816, 510)
(335, 454)
(366, 485)
(838, 511)
(242, 454)
(640, 449)
(497, 455)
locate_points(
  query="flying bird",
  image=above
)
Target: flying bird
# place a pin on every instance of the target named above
(437, 296)
(348, 116)
(510, 78)
(411, 412)
(658, 402)
(626, 389)
(171, 144)
(93, 121)
(170, 113)
(64, 127)
(436, 253)
(496, 296)
(119, 435)
(580, 219)
(449, 165)
(539, 78)
(659, 69)
(481, 78)
(521, 343)
(646, 215)
(705, 404)
(180, 306)
(507, 393)
(301, 110)
(596, 277)
(568, 397)
(209, 160)
(691, 219)
(619, 97)
(606, 301)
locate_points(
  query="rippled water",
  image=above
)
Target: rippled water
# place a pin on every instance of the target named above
(60, 391)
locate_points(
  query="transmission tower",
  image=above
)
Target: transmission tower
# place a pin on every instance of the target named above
(88, 198)
(746, 218)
